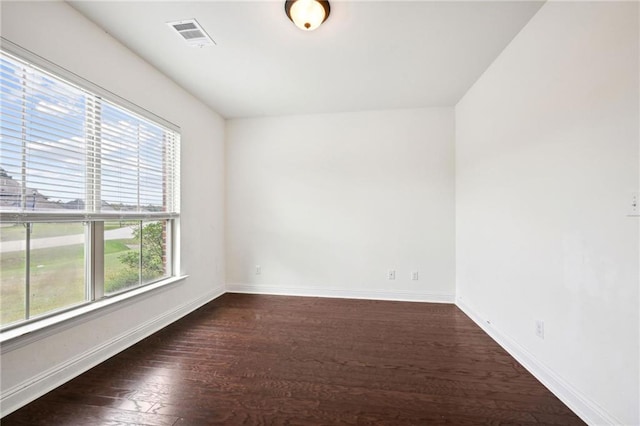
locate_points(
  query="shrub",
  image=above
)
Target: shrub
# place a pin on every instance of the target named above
(152, 251)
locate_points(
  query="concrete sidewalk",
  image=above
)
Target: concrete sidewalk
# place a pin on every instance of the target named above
(64, 240)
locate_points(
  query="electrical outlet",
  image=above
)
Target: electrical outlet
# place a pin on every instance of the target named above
(634, 208)
(258, 270)
(540, 329)
(414, 276)
(391, 275)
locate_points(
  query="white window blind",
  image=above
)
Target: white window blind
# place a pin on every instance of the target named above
(64, 150)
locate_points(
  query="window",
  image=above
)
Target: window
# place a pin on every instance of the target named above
(89, 195)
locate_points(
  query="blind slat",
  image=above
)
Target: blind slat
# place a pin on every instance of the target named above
(75, 151)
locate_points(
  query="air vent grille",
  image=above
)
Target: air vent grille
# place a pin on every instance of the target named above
(189, 35)
(183, 27)
(191, 32)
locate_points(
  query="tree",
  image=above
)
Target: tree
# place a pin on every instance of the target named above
(151, 236)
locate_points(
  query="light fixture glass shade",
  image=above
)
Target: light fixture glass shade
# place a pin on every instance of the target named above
(307, 14)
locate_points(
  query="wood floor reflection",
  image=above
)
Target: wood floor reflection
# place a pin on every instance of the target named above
(249, 359)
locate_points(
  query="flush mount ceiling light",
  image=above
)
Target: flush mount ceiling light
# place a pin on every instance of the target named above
(307, 14)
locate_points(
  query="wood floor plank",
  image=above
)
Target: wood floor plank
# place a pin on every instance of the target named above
(248, 359)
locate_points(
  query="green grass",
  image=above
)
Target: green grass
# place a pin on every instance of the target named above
(108, 226)
(56, 281)
(57, 274)
(57, 278)
(12, 288)
(116, 246)
(42, 230)
(12, 232)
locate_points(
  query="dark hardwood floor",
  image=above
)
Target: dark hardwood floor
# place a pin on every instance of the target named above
(246, 359)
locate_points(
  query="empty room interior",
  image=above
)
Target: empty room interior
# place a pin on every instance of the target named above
(398, 212)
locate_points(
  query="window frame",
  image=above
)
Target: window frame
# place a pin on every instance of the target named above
(95, 294)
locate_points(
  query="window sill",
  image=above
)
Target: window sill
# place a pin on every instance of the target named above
(22, 335)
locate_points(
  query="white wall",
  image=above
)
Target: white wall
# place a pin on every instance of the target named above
(327, 204)
(547, 152)
(546, 158)
(58, 33)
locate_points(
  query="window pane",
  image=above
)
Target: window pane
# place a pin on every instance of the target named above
(135, 155)
(121, 255)
(57, 266)
(135, 253)
(68, 154)
(154, 251)
(42, 121)
(12, 272)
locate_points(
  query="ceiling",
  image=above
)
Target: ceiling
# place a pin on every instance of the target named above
(368, 55)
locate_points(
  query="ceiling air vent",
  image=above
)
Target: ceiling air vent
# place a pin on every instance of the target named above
(191, 32)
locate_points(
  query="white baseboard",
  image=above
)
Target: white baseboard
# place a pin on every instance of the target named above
(341, 293)
(35, 387)
(585, 408)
